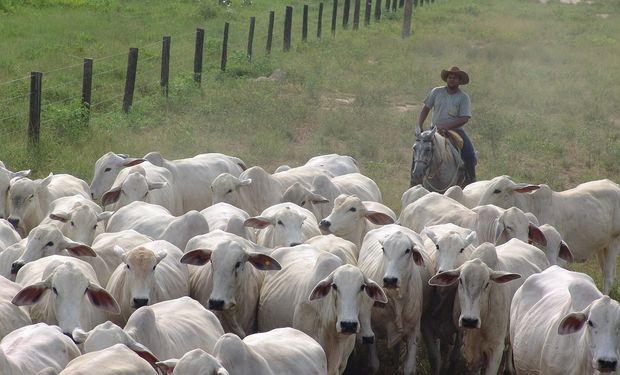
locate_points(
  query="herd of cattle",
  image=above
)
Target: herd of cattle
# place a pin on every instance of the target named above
(204, 266)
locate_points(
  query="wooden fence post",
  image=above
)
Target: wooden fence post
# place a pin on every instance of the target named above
(334, 16)
(130, 81)
(356, 15)
(87, 87)
(345, 13)
(367, 12)
(251, 37)
(304, 25)
(407, 19)
(401, 3)
(224, 48)
(378, 10)
(319, 22)
(34, 119)
(394, 6)
(200, 38)
(270, 31)
(288, 25)
(165, 65)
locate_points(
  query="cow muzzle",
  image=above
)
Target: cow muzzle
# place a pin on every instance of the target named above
(139, 302)
(606, 365)
(348, 327)
(390, 282)
(470, 323)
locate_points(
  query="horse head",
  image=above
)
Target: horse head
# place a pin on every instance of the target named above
(422, 153)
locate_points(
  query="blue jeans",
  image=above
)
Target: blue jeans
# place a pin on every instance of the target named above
(468, 154)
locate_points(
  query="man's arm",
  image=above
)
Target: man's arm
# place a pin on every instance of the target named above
(423, 115)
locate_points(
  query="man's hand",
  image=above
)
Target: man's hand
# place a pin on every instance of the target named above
(442, 131)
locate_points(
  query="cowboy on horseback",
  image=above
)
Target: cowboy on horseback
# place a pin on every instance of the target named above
(451, 111)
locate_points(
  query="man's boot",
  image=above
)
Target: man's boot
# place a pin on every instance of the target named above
(470, 173)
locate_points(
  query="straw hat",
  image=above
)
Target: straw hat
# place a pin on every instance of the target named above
(455, 70)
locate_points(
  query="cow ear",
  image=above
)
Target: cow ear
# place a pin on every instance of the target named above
(445, 278)
(470, 238)
(565, 252)
(119, 252)
(130, 162)
(167, 366)
(79, 249)
(60, 216)
(264, 262)
(31, 294)
(46, 181)
(20, 174)
(418, 259)
(143, 352)
(156, 185)
(111, 196)
(245, 182)
(102, 299)
(536, 236)
(375, 292)
(525, 188)
(430, 234)
(572, 323)
(321, 289)
(198, 257)
(318, 198)
(379, 218)
(504, 277)
(258, 222)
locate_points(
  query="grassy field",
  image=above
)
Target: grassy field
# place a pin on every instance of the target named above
(544, 86)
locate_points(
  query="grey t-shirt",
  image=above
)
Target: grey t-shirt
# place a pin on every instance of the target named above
(447, 107)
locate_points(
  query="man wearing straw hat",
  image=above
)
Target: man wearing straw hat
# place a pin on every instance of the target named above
(451, 111)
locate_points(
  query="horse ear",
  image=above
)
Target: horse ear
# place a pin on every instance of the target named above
(433, 130)
(418, 131)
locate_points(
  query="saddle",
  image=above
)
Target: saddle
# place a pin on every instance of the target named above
(455, 139)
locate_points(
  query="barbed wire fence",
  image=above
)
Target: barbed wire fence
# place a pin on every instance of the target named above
(103, 85)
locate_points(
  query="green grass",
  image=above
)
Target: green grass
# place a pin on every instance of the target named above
(544, 86)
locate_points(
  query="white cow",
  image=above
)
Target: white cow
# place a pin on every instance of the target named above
(29, 201)
(560, 323)
(107, 167)
(280, 351)
(227, 284)
(5, 181)
(351, 218)
(145, 182)
(557, 250)
(166, 329)
(43, 240)
(484, 304)
(255, 189)
(587, 216)
(468, 196)
(336, 164)
(346, 250)
(195, 361)
(8, 235)
(396, 255)
(320, 195)
(11, 317)
(115, 360)
(228, 218)
(193, 176)
(107, 258)
(150, 273)
(36, 349)
(284, 224)
(78, 218)
(64, 291)
(318, 295)
(157, 222)
(489, 222)
(411, 195)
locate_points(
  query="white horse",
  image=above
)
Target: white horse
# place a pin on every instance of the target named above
(437, 163)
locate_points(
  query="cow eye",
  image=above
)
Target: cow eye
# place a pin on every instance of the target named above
(496, 191)
(353, 209)
(237, 265)
(334, 286)
(407, 251)
(128, 267)
(362, 287)
(31, 196)
(280, 222)
(461, 251)
(590, 323)
(95, 226)
(72, 223)
(460, 281)
(229, 191)
(486, 285)
(303, 203)
(383, 249)
(154, 267)
(49, 244)
(437, 247)
(54, 290)
(107, 169)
